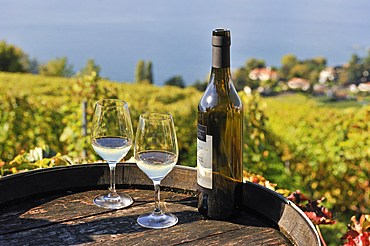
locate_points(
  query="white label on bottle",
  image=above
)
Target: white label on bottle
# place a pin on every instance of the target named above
(204, 158)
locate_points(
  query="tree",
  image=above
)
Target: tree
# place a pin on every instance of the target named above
(200, 86)
(58, 67)
(366, 67)
(354, 70)
(144, 73)
(343, 76)
(317, 63)
(12, 58)
(289, 60)
(241, 75)
(175, 81)
(90, 66)
(149, 73)
(254, 63)
(366, 61)
(314, 76)
(307, 69)
(300, 71)
(33, 66)
(320, 61)
(241, 79)
(140, 72)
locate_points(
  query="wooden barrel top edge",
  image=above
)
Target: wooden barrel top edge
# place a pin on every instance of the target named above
(281, 211)
(83, 177)
(311, 226)
(96, 175)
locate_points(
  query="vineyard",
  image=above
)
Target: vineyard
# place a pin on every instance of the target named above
(328, 148)
(39, 111)
(289, 140)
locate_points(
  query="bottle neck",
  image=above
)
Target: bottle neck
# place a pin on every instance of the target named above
(221, 57)
(221, 73)
(221, 64)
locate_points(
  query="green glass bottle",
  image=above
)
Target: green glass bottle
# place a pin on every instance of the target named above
(220, 137)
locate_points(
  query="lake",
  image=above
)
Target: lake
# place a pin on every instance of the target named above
(176, 35)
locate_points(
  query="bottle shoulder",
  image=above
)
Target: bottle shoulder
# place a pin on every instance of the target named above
(220, 96)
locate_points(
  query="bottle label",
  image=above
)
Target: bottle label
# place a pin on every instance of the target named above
(204, 157)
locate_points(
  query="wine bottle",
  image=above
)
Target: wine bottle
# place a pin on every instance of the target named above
(220, 137)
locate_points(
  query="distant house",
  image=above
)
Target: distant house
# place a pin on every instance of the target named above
(364, 86)
(264, 74)
(296, 83)
(320, 89)
(327, 74)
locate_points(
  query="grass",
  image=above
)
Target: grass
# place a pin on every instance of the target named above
(323, 101)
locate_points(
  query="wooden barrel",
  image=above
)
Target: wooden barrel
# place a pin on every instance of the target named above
(56, 203)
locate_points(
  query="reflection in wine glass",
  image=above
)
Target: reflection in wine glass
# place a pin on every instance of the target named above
(156, 153)
(111, 138)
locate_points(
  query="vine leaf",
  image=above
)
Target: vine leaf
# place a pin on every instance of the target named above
(319, 215)
(359, 233)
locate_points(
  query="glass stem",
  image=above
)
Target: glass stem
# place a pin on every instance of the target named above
(157, 197)
(112, 179)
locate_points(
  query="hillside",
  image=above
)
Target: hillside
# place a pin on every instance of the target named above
(292, 141)
(39, 110)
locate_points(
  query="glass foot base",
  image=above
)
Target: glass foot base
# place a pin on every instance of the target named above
(157, 221)
(116, 201)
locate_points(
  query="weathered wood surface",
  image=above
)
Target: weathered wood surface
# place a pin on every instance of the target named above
(54, 207)
(73, 219)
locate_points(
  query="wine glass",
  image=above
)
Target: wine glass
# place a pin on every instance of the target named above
(111, 138)
(156, 153)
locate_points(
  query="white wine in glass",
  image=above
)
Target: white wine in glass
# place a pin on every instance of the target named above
(156, 153)
(111, 138)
